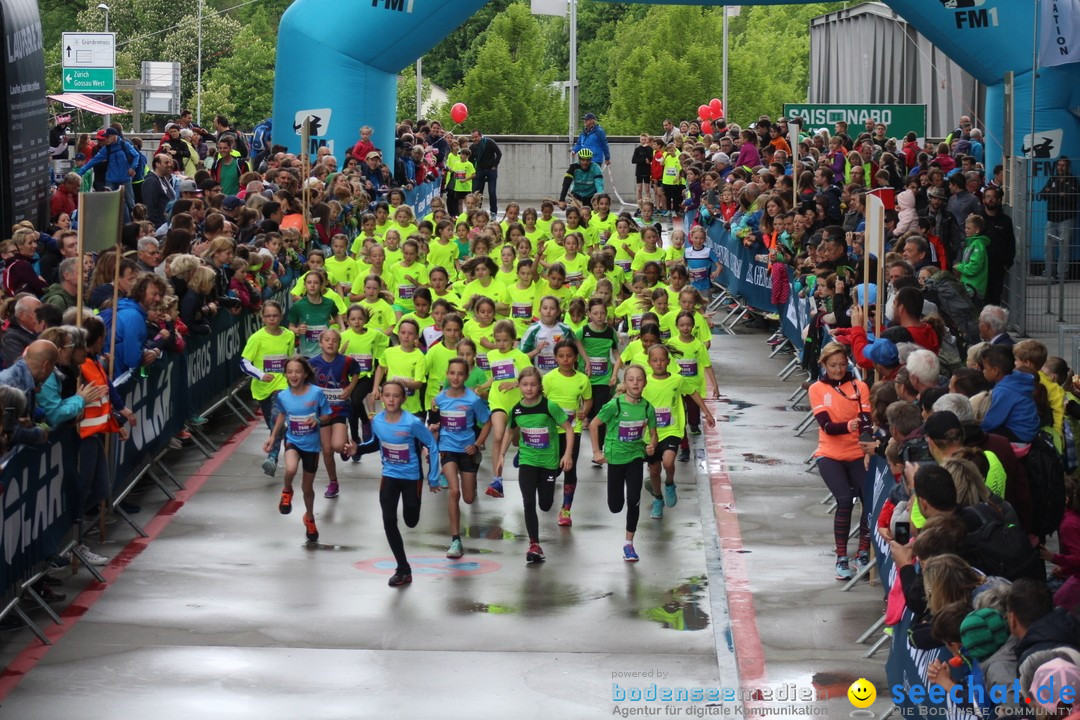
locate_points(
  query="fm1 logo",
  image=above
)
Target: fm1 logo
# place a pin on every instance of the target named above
(399, 5)
(968, 17)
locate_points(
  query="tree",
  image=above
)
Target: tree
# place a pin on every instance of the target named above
(447, 62)
(511, 88)
(406, 93)
(241, 86)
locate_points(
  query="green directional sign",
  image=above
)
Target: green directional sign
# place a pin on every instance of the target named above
(900, 119)
(90, 80)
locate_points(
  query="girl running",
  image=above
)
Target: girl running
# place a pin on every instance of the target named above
(536, 420)
(570, 390)
(631, 436)
(694, 363)
(263, 358)
(481, 330)
(300, 408)
(506, 362)
(520, 297)
(313, 313)
(455, 413)
(540, 339)
(598, 346)
(337, 376)
(438, 357)
(404, 364)
(478, 380)
(366, 348)
(399, 436)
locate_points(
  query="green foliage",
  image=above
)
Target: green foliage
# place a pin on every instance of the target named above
(241, 86)
(448, 61)
(406, 92)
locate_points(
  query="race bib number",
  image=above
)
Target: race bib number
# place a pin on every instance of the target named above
(406, 292)
(460, 176)
(631, 431)
(274, 363)
(536, 438)
(624, 264)
(598, 366)
(365, 363)
(336, 396)
(452, 420)
(698, 274)
(503, 370)
(521, 311)
(688, 367)
(482, 363)
(663, 417)
(571, 413)
(313, 332)
(635, 321)
(395, 454)
(301, 425)
(671, 171)
(546, 362)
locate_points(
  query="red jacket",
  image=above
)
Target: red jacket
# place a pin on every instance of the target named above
(63, 202)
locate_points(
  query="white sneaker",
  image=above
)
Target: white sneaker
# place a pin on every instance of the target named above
(91, 557)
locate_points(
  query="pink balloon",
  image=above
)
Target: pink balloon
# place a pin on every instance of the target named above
(704, 112)
(459, 113)
(706, 127)
(717, 108)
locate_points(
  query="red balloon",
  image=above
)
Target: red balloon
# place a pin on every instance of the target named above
(706, 127)
(717, 108)
(459, 113)
(704, 112)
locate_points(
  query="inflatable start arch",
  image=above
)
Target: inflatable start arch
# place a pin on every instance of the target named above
(343, 82)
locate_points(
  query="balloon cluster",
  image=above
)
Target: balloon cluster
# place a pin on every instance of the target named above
(713, 111)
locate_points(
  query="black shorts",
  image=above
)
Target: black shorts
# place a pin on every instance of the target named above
(465, 463)
(309, 461)
(338, 420)
(665, 444)
(645, 178)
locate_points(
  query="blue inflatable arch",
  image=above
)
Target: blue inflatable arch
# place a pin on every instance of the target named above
(338, 62)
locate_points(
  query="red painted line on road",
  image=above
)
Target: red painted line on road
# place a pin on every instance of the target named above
(749, 654)
(28, 659)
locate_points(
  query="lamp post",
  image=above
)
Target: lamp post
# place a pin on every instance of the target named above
(105, 9)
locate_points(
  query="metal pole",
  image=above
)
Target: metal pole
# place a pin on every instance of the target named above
(1028, 199)
(573, 72)
(198, 72)
(419, 87)
(107, 117)
(727, 108)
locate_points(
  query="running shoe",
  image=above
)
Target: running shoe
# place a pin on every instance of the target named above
(183, 436)
(695, 429)
(285, 504)
(861, 560)
(443, 482)
(331, 490)
(670, 496)
(399, 578)
(597, 465)
(344, 456)
(564, 518)
(495, 489)
(456, 550)
(90, 557)
(309, 527)
(684, 454)
(357, 457)
(657, 509)
(517, 459)
(269, 466)
(843, 569)
(628, 553)
(535, 554)
(197, 421)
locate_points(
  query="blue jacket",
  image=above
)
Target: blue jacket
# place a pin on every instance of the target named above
(121, 156)
(57, 410)
(18, 376)
(595, 140)
(1012, 407)
(130, 334)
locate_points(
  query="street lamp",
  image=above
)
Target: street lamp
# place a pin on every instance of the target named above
(105, 9)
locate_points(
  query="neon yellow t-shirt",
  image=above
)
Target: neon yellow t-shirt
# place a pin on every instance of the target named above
(444, 256)
(521, 302)
(342, 272)
(366, 348)
(402, 287)
(568, 393)
(269, 353)
(408, 366)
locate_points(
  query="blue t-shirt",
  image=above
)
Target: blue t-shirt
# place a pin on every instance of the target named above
(458, 418)
(399, 448)
(700, 265)
(332, 378)
(302, 413)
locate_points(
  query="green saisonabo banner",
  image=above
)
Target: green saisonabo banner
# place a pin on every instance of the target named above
(900, 119)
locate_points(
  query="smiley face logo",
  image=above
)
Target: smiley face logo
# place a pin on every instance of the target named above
(862, 693)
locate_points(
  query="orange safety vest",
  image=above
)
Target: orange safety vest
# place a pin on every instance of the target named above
(97, 416)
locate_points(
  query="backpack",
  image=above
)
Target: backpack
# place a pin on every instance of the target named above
(261, 138)
(999, 547)
(955, 307)
(1046, 481)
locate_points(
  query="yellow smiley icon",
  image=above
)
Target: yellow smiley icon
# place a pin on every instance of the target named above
(862, 693)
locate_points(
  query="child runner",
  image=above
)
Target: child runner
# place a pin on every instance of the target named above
(631, 436)
(665, 391)
(598, 346)
(263, 358)
(405, 364)
(408, 275)
(577, 315)
(399, 435)
(570, 390)
(479, 381)
(540, 339)
(313, 313)
(694, 363)
(537, 419)
(438, 357)
(444, 252)
(702, 262)
(506, 362)
(366, 348)
(300, 410)
(520, 297)
(337, 376)
(455, 413)
(481, 330)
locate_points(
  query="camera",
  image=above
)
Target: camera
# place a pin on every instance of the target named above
(10, 419)
(918, 454)
(902, 532)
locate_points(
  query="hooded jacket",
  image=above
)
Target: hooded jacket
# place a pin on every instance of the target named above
(908, 216)
(121, 156)
(130, 321)
(57, 296)
(1052, 630)
(922, 335)
(1012, 408)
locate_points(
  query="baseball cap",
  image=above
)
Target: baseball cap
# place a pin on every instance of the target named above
(189, 186)
(1057, 673)
(882, 352)
(170, 126)
(372, 154)
(590, 116)
(100, 135)
(80, 156)
(941, 424)
(111, 131)
(983, 632)
(232, 202)
(937, 192)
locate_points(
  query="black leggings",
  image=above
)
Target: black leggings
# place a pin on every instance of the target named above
(390, 489)
(601, 394)
(570, 476)
(845, 479)
(359, 417)
(624, 485)
(534, 482)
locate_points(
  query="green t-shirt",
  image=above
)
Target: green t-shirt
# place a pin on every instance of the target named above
(628, 427)
(317, 317)
(229, 177)
(598, 346)
(539, 425)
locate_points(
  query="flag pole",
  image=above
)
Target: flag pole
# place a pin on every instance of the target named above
(79, 277)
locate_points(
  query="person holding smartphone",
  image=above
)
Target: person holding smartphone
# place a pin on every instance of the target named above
(841, 405)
